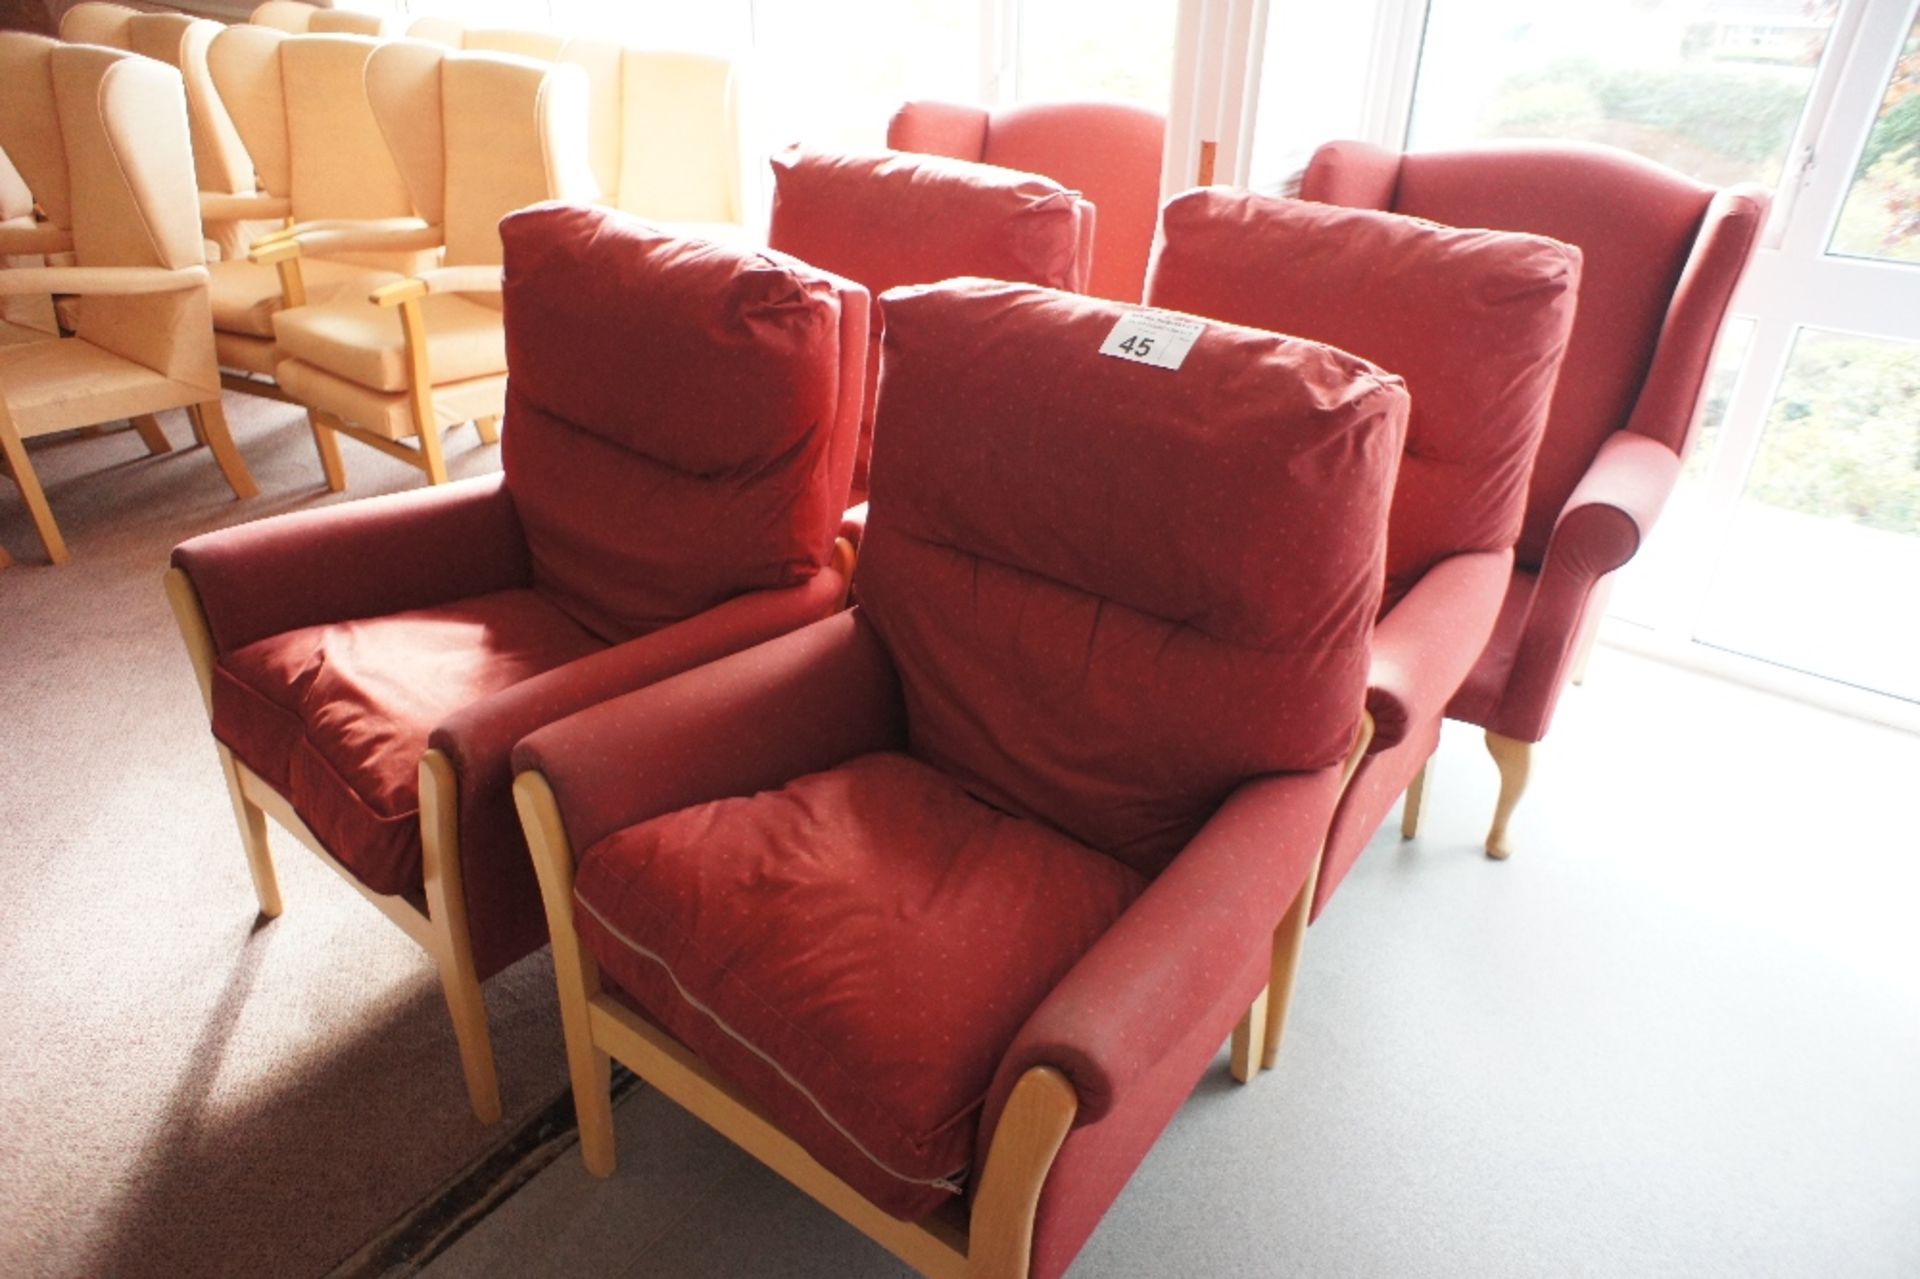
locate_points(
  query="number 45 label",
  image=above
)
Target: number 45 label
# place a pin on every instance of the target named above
(1158, 338)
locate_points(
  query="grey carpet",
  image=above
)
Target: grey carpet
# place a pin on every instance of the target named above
(1678, 1034)
(185, 1090)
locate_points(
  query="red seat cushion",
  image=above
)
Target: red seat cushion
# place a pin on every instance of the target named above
(1113, 647)
(336, 717)
(856, 951)
(1417, 299)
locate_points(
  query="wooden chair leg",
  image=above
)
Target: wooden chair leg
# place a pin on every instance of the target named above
(1249, 1042)
(1037, 1118)
(211, 419)
(1514, 758)
(489, 428)
(575, 973)
(447, 911)
(30, 491)
(413, 328)
(5, 559)
(148, 428)
(327, 444)
(1410, 809)
(253, 838)
(1289, 939)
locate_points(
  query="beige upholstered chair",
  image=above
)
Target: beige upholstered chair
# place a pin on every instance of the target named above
(300, 19)
(691, 175)
(220, 160)
(476, 136)
(102, 135)
(300, 103)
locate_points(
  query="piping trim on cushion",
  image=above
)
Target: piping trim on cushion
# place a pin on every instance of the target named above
(951, 1183)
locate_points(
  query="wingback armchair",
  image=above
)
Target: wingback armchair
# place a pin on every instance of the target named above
(300, 18)
(1476, 322)
(100, 136)
(368, 667)
(1663, 254)
(942, 906)
(1109, 151)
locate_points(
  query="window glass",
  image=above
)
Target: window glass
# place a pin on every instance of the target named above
(1076, 49)
(1713, 88)
(1881, 216)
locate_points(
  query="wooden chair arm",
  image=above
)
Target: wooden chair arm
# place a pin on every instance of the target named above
(399, 292)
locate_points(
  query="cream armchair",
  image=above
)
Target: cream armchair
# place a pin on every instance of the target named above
(475, 136)
(300, 103)
(142, 342)
(299, 19)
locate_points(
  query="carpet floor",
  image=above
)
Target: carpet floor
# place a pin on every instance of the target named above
(1677, 1035)
(186, 1089)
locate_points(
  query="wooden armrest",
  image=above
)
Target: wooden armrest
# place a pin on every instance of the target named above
(99, 279)
(397, 292)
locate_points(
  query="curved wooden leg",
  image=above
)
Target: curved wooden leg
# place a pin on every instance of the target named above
(489, 428)
(1410, 810)
(253, 837)
(413, 328)
(1514, 757)
(31, 493)
(447, 911)
(211, 418)
(327, 445)
(575, 972)
(147, 427)
(1036, 1121)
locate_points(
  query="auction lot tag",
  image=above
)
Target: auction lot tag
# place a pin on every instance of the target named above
(1158, 338)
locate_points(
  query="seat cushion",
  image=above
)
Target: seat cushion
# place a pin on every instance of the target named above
(54, 384)
(353, 339)
(336, 717)
(245, 295)
(1475, 321)
(855, 951)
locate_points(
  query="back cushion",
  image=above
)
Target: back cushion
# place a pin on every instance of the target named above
(670, 405)
(1476, 323)
(341, 167)
(886, 220)
(1113, 592)
(1632, 266)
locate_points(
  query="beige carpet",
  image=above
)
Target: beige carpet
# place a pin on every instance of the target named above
(185, 1090)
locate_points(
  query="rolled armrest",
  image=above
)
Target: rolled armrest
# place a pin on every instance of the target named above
(1424, 648)
(99, 280)
(27, 239)
(358, 559)
(940, 128)
(221, 206)
(374, 235)
(1610, 510)
(1356, 175)
(1173, 969)
(746, 723)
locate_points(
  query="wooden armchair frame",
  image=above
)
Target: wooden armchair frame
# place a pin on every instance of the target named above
(995, 1239)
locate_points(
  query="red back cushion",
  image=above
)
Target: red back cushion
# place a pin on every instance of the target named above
(885, 220)
(1476, 323)
(672, 412)
(1113, 592)
(1577, 194)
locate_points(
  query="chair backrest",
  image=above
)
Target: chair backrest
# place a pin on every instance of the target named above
(477, 136)
(680, 414)
(220, 159)
(1662, 254)
(299, 19)
(1110, 151)
(693, 171)
(1114, 592)
(110, 135)
(300, 105)
(891, 219)
(1475, 322)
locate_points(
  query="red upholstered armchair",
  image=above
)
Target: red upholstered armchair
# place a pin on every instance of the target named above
(1476, 322)
(681, 422)
(888, 220)
(1109, 151)
(1663, 254)
(941, 906)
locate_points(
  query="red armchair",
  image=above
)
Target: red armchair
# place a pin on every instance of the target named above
(368, 667)
(888, 220)
(1663, 254)
(942, 905)
(1108, 150)
(1476, 322)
